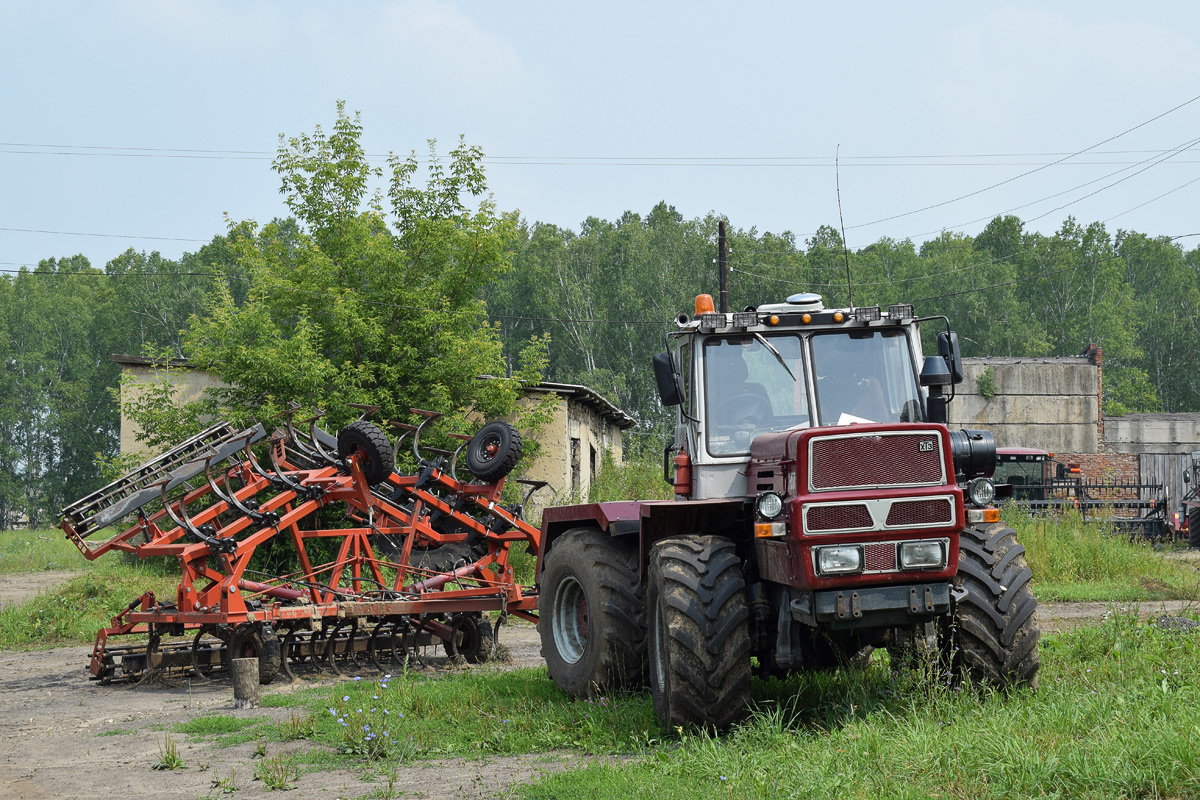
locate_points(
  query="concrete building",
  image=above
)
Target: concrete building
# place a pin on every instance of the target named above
(1054, 404)
(582, 425)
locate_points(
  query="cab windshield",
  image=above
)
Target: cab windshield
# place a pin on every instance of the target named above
(753, 385)
(865, 376)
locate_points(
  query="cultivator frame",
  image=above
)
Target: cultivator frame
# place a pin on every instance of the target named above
(449, 539)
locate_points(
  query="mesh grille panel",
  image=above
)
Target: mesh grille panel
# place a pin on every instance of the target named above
(921, 512)
(874, 460)
(879, 557)
(833, 518)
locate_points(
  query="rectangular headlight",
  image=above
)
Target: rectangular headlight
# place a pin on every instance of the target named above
(745, 319)
(922, 555)
(839, 559)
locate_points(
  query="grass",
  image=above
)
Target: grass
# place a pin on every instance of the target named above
(1117, 715)
(1073, 560)
(478, 713)
(33, 551)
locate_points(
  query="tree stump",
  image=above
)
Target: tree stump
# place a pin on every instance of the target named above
(245, 682)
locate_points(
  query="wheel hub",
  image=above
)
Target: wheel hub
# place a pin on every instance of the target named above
(571, 622)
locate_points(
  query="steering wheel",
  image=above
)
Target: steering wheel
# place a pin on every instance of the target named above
(747, 409)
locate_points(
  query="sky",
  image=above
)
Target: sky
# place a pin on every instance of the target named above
(152, 125)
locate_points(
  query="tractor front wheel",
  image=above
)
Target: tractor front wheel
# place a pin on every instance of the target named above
(991, 637)
(699, 632)
(592, 623)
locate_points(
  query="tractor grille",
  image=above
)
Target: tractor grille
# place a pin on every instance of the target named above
(834, 518)
(875, 460)
(907, 513)
(879, 557)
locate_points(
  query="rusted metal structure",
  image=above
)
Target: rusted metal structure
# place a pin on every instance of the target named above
(410, 559)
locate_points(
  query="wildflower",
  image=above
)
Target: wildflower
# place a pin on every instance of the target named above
(384, 685)
(357, 678)
(334, 713)
(722, 777)
(387, 677)
(345, 698)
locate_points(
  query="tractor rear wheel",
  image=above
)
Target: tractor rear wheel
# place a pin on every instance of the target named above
(493, 451)
(991, 637)
(1194, 527)
(370, 446)
(592, 622)
(699, 632)
(248, 641)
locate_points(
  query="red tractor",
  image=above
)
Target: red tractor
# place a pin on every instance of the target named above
(822, 508)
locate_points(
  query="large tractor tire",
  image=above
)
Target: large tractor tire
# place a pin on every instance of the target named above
(991, 637)
(699, 633)
(248, 642)
(1194, 527)
(592, 622)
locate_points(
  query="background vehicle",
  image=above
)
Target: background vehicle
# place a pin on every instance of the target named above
(822, 507)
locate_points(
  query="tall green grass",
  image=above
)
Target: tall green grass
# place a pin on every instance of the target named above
(1117, 715)
(1087, 561)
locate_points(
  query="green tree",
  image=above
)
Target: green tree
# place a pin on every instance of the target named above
(360, 303)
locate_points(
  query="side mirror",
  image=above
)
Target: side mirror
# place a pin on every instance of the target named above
(948, 350)
(667, 379)
(1187, 476)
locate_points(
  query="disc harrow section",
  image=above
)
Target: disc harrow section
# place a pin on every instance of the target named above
(419, 559)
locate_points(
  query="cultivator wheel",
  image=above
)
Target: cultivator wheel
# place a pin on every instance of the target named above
(249, 640)
(471, 638)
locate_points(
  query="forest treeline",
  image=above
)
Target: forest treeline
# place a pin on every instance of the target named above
(351, 302)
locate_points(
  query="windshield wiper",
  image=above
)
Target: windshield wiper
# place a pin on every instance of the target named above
(775, 353)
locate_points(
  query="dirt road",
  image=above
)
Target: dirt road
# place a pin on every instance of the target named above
(65, 736)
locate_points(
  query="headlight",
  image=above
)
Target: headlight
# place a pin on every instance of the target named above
(839, 560)
(769, 505)
(981, 492)
(922, 555)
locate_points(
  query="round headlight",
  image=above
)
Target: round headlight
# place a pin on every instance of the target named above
(981, 492)
(769, 505)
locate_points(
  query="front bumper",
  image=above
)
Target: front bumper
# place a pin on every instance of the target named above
(872, 607)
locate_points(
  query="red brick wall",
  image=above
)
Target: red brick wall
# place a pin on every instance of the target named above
(1103, 467)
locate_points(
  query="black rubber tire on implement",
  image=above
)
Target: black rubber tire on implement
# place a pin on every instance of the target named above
(493, 451)
(592, 622)
(472, 638)
(991, 637)
(372, 447)
(699, 633)
(248, 642)
(1194, 527)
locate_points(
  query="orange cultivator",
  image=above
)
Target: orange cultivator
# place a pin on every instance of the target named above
(412, 560)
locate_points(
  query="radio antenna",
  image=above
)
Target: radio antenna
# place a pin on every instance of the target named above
(837, 177)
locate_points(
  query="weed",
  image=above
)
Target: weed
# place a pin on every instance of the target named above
(260, 748)
(168, 755)
(277, 773)
(295, 727)
(225, 785)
